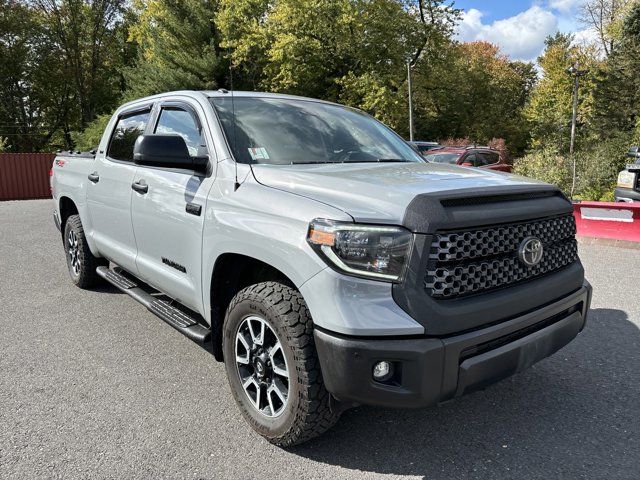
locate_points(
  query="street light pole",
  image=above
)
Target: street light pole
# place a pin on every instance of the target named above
(410, 101)
(575, 72)
(573, 133)
(574, 115)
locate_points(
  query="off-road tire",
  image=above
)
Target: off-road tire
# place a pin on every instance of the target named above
(83, 274)
(307, 413)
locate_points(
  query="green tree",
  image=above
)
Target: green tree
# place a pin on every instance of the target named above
(609, 115)
(88, 38)
(89, 138)
(550, 105)
(242, 26)
(604, 18)
(59, 67)
(352, 51)
(473, 91)
(617, 93)
(179, 47)
(35, 99)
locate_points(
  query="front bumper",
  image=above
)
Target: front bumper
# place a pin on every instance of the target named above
(431, 370)
(626, 195)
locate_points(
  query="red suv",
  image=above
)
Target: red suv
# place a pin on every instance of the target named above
(483, 157)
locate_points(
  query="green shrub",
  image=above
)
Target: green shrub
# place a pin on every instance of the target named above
(546, 165)
(597, 168)
(90, 137)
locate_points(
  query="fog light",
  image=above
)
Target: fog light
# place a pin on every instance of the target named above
(382, 371)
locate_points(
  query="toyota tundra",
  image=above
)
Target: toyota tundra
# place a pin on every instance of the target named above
(318, 255)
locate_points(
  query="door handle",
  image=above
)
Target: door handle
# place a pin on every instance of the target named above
(140, 186)
(94, 177)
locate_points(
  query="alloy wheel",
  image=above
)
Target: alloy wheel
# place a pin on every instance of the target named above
(262, 366)
(74, 252)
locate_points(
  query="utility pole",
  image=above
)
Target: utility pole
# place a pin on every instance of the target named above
(575, 72)
(410, 101)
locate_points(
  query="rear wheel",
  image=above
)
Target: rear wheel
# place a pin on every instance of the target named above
(81, 262)
(272, 365)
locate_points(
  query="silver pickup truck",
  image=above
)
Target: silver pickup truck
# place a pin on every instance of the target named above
(318, 255)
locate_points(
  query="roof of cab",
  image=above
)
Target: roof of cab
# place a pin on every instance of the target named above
(222, 93)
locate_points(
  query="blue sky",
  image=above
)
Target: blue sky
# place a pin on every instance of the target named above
(519, 27)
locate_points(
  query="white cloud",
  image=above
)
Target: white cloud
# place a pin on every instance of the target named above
(521, 36)
(586, 36)
(589, 36)
(565, 6)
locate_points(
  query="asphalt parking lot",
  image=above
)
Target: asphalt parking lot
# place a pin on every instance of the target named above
(94, 386)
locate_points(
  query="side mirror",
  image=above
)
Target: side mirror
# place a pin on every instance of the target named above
(169, 151)
(466, 164)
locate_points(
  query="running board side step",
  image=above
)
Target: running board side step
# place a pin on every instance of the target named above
(178, 319)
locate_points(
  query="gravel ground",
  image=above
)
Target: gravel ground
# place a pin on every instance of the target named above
(92, 385)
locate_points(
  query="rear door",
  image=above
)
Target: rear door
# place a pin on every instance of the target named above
(109, 193)
(168, 219)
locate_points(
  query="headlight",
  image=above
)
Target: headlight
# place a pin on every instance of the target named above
(370, 251)
(625, 179)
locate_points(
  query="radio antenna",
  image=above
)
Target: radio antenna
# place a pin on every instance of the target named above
(236, 184)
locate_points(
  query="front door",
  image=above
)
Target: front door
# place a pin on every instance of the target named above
(109, 191)
(168, 219)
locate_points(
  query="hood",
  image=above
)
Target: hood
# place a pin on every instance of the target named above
(378, 192)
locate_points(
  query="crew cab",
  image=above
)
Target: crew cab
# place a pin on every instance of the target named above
(472, 156)
(317, 254)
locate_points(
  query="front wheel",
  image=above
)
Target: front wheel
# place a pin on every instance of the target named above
(272, 364)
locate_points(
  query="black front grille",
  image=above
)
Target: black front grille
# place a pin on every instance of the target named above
(474, 261)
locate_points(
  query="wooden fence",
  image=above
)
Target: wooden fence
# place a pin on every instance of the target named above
(25, 175)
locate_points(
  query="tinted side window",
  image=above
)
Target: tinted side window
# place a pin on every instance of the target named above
(128, 129)
(176, 121)
(486, 158)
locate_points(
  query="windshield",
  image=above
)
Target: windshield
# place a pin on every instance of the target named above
(289, 131)
(451, 158)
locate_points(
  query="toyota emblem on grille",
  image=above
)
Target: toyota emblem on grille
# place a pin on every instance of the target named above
(530, 251)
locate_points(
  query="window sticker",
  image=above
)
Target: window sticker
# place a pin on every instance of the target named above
(259, 153)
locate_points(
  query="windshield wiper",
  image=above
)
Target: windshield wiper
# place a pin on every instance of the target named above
(377, 160)
(381, 160)
(312, 162)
